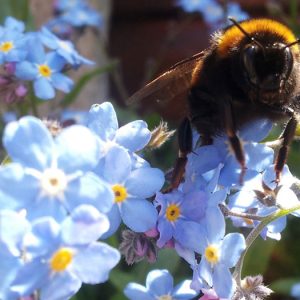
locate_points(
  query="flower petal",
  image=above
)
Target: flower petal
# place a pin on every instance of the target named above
(43, 206)
(222, 282)
(43, 89)
(159, 282)
(187, 254)
(17, 187)
(85, 224)
(44, 237)
(14, 24)
(144, 182)
(256, 131)
(78, 149)
(183, 291)
(286, 198)
(30, 277)
(62, 82)
(205, 271)
(269, 177)
(194, 205)
(61, 286)
(114, 221)
(166, 230)
(93, 264)
(138, 214)
(232, 247)
(26, 70)
(210, 159)
(215, 225)
(134, 135)
(134, 291)
(190, 235)
(103, 120)
(9, 267)
(89, 189)
(37, 52)
(29, 142)
(117, 165)
(55, 61)
(12, 230)
(258, 156)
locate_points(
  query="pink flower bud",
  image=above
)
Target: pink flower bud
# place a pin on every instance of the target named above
(10, 68)
(21, 91)
(152, 232)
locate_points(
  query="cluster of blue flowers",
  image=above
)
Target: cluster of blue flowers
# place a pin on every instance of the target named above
(60, 194)
(190, 217)
(213, 12)
(73, 15)
(63, 190)
(34, 58)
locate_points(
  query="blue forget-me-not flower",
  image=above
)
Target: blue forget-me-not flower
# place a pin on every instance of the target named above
(59, 257)
(51, 176)
(159, 286)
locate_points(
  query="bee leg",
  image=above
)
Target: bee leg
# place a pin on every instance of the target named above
(185, 142)
(287, 137)
(234, 141)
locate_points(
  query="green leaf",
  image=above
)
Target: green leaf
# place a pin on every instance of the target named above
(167, 259)
(120, 279)
(258, 256)
(118, 296)
(71, 97)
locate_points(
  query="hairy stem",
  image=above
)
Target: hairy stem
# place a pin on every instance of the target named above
(237, 274)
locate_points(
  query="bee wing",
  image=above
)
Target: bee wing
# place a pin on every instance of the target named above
(162, 91)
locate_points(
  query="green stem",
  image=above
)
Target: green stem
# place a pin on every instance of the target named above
(33, 102)
(70, 98)
(237, 274)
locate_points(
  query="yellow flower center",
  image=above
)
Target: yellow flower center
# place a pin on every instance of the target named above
(172, 212)
(165, 297)
(61, 259)
(44, 70)
(120, 193)
(6, 46)
(212, 254)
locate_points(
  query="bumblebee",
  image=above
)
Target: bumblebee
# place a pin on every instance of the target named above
(250, 71)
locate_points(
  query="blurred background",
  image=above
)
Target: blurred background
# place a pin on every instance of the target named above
(135, 42)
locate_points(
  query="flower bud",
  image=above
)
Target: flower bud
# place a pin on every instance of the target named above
(137, 246)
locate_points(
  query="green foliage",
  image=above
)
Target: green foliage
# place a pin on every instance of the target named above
(283, 286)
(258, 257)
(19, 9)
(72, 96)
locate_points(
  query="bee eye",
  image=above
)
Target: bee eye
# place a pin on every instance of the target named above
(249, 57)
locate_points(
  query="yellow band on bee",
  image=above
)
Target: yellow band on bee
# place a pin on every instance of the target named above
(233, 35)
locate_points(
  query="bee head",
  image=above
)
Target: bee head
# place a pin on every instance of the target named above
(267, 68)
(267, 63)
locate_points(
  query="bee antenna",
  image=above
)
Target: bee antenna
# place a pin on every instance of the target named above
(297, 41)
(251, 38)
